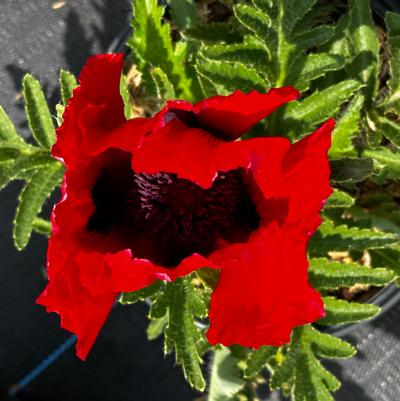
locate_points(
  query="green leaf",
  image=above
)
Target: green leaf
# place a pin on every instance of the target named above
(184, 13)
(257, 360)
(38, 113)
(389, 257)
(156, 327)
(226, 380)
(151, 43)
(7, 129)
(302, 373)
(249, 54)
(215, 32)
(390, 129)
(339, 199)
(140, 295)
(339, 311)
(346, 127)
(315, 66)
(231, 76)
(365, 46)
(393, 26)
(165, 89)
(314, 38)
(293, 11)
(328, 346)
(13, 169)
(343, 238)
(325, 274)
(67, 85)
(318, 107)
(181, 332)
(253, 19)
(42, 226)
(386, 162)
(351, 169)
(8, 153)
(124, 91)
(31, 200)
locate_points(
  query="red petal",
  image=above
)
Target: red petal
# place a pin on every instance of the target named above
(96, 102)
(306, 175)
(80, 311)
(234, 115)
(263, 292)
(190, 153)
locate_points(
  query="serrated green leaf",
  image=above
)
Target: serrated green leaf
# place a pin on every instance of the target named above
(339, 199)
(386, 162)
(8, 153)
(301, 371)
(165, 89)
(392, 21)
(181, 332)
(215, 32)
(343, 238)
(184, 13)
(226, 380)
(140, 295)
(293, 11)
(13, 169)
(231, 76)
(351, 169)
(315, 66)
(124, 91)
(38, 113)
(257, 360)
(319, 106)
(390, 129)
(42, 226)
(389, 257)
(151, 42)
(365, 46)
(253, 19)
(326, 274)
(251, 55)
(314, 38)
(346, 127)
(339, 311)
(67, 85)
(31, 200)
(156, 327)
(7, 129)
(328, 346)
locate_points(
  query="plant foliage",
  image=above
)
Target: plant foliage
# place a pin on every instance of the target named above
(337, 63)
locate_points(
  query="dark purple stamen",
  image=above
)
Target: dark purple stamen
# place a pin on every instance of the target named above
(175, 216)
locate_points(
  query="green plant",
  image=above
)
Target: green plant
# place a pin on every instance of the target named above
(336, 63)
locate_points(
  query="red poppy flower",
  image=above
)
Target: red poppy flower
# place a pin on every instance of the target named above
(155, 199)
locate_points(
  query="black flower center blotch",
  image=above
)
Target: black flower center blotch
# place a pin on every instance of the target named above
(165, 218)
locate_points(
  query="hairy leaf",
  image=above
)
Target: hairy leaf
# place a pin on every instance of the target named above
(38, 113)
(326, 274)
(181, 332)
(347, 126)
(343, 238)
(351, 169)
(67, 85)
(339, 199)
(339, 311)
(31, 200)
(318, 107)
(226, 380)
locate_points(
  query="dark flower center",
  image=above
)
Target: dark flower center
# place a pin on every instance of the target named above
(164, 218)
